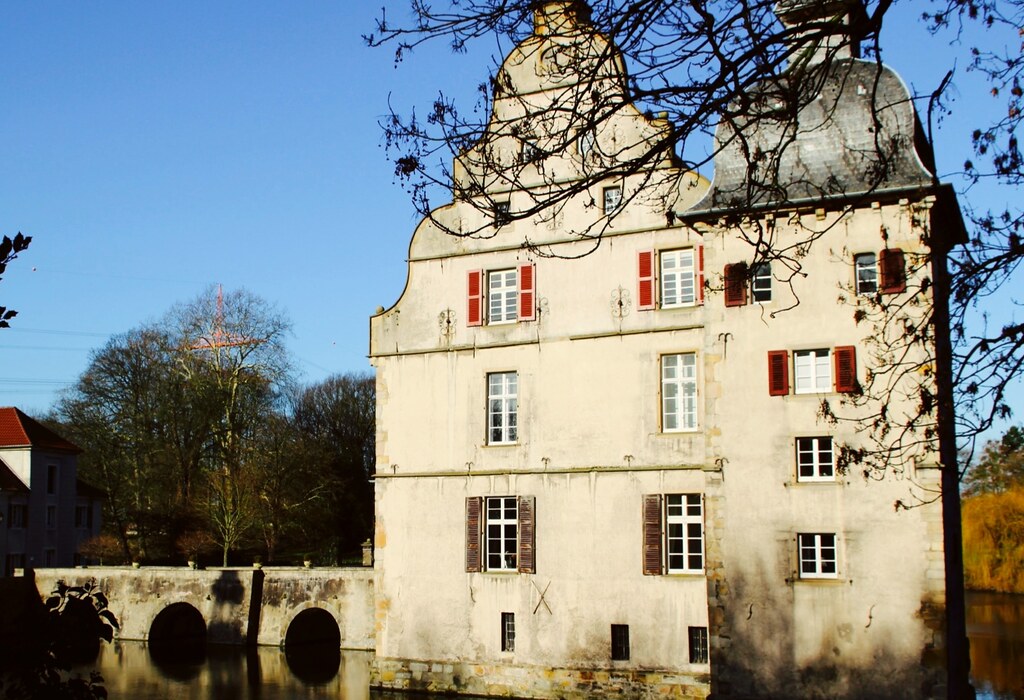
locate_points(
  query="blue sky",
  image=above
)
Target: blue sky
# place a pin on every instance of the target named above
(152, 149)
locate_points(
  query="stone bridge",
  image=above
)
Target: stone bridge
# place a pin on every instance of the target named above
(233, 605)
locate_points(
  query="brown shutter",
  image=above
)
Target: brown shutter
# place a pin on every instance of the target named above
(645, 274)
(846, 369)
(736, 284)
(527, 537)
(474, 530)
(778, 372)
(652, 535)
(475, 305)
(700, 273)
(527, 297)
(892, 269)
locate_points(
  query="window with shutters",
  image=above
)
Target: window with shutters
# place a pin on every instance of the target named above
(866, 271)
(500, 534)
(673, 534)
(679, 392)
(739, 278)
(814, 459)
(501, 296)
(817, 555)
(502, 408)
(761, 283)
(612, 198)
(670, 278)
(815, 371)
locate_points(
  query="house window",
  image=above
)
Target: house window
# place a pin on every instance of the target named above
(51, 479)
(813, 371)
(612, 199)
(500, 533)
(761, 283)
(509, 295)
(892, 269)
(673, 534)
(817, 552)
(502, 296)
(529, 153)
(51, 517)
(866, 271)
(508, 631)
(679, 392)
(698, 645)
(50, 557)
(501, 215)
(586, 143)
(12, 562)
(678, 278)
(17, 515)
(620, 642)
(814, 459)
(502, 408)
(83, 516)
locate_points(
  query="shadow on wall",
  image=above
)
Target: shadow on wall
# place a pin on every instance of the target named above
(758, 656)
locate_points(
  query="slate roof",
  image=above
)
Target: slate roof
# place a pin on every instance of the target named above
(19, 430)
(856, 132)
(9, 481)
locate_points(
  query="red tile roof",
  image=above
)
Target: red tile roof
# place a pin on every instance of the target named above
(18, 430)
(9, 481)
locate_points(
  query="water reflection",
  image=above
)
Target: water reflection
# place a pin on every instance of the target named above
(995, 626)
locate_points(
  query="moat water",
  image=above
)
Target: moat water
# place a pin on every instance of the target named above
(995, 625)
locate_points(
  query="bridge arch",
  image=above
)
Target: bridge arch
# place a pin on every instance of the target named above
(312, 645)
(178, 634)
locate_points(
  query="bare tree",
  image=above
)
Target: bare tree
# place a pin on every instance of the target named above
(9, 249)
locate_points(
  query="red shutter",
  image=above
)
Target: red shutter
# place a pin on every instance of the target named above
(527, 538)
(736, 284)
(475, 306)
(527, 298)
(846, 369)
(652, 535)
(700, 274)
(892, 268)
(474, 528)
(645, 265)
(778, 372)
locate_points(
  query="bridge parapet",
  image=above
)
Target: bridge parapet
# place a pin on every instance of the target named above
(240, 605)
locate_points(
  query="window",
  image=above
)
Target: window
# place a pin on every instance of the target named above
(501, 214)
(50, 557)
(761, 283)
(620, 642)
(509, 295)
(502, 408)
(673, 534)
(814, 459)
(83, 516)
(508, 631)
(586, 143)
(680, 278)
(812, 371)
(612, 199)
(698, 645)
(51, 517)
(817, 552)
(679, 392)
(529, 153)
(866, 272)
(51, 479)
(502, 296)
(17, 515)
(12, 562)
(500, 533)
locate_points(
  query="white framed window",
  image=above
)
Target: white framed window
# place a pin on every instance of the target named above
(761, 283)
(508, 631)
(684, 533)
(814, 459)
(501, 213)
(586, 143)
(679, 392)
(678, 280)
(502, 541)
(865, 266)
(817, 553)
(502, 296)
(502, 408)
(813, 370)
(612, 199)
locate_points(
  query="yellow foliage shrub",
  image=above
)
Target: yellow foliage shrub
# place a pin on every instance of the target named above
(993, 532)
